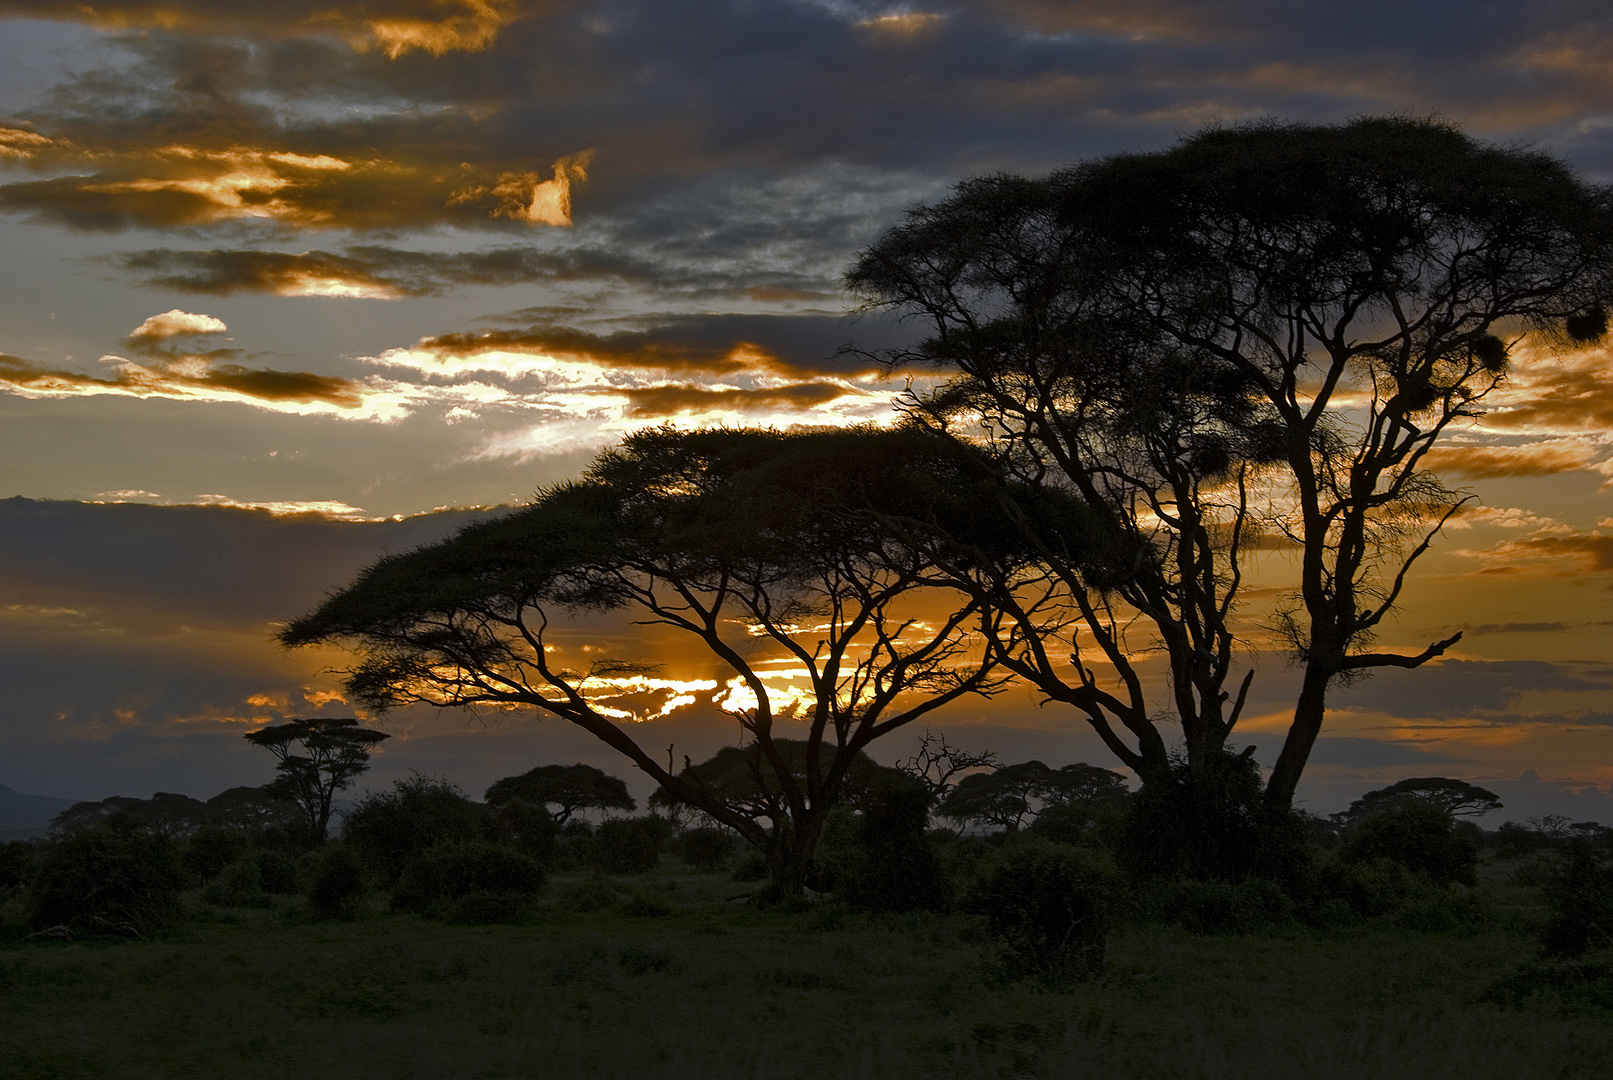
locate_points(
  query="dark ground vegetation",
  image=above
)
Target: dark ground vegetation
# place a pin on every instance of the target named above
(629, 948)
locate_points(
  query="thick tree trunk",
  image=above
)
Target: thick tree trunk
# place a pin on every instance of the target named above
(1309, 711)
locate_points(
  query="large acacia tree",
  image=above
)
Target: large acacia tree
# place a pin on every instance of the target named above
(762, 547)
(1328, 300)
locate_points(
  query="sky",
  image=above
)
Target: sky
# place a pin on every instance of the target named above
(288, 285)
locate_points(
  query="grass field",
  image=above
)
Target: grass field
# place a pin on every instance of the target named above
(697, 987)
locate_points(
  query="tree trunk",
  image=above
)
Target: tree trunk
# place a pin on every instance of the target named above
(1309, 711)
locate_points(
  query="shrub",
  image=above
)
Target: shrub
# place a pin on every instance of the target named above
(528, 829)
(1048, 906)
(16, 866)
(277, 871)
(892, 866)
(1222, 907)
(1369, 889)
(1580, 899)
(469, 881)
(630, 845)
(1212, 825)
(705, 849)
(752, 866)
(1419, 836)
(101, 881)
(211, 848)
(338, 884)
(390, 829)
(240, 884)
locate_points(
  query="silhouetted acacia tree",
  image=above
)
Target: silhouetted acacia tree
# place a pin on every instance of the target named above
(746, 541)
(317, 758)
(1329, 299)
(1455, 797)
(568, 788)
(1005, 796)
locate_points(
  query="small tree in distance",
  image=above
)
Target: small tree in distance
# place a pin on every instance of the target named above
(567, 788)
(1456, 797)
(317, 758)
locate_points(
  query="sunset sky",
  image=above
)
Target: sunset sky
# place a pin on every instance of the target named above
(281, 278)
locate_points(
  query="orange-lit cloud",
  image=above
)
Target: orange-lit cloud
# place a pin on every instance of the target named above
(1555, 550)
(173, 323)
(530, 198)
(200, 379)
(394, 27)
(173, 185)
(1473, 461)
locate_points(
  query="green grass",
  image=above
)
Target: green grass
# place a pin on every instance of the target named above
(720, 990)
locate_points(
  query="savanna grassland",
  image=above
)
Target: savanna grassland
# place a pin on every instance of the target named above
(665, 974)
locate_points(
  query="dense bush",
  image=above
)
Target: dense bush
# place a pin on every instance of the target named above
(102, 881)
(705, 849)
(1419, 836)
(891, 865)
(630, 845)
(277, 871)
(1580, 899)
(1048, 906)
(16, 866)
(1366, 889)
(239, 884)
(211, 848)
(338, 884)
(527, 828)
(1212, 825)
(469, 881)
(390, 829)
(1222, 907)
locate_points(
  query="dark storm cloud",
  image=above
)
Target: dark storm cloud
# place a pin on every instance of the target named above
(392, 273)
(792, 346)
(666, 92)
(174, 564)
(1486, 689)
(393, 26)
(135, 640)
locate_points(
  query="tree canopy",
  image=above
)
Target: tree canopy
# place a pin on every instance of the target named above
(1267, 325)
(767, 548)
(1455, 797)
(567, 788)
(317, 757)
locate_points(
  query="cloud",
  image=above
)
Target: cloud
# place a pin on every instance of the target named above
(1482, 689)
(1557, 550)
(529, 198)
(393, 27)
(1491, 462)
(173, 323)
(199, 379)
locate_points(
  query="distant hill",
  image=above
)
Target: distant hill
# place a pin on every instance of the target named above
(18, 811)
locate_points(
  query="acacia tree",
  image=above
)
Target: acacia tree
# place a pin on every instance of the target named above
(735, 539)
(1359, 288)
(1155, 440)
(317, 757)
(568, 788)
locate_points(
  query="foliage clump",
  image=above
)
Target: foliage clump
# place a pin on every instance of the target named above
(1049, 908)
(106, 882)
(391, 829)
(1420, 836)
(469, 881)
(630, 845)
(338, 885)
(891, 865)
